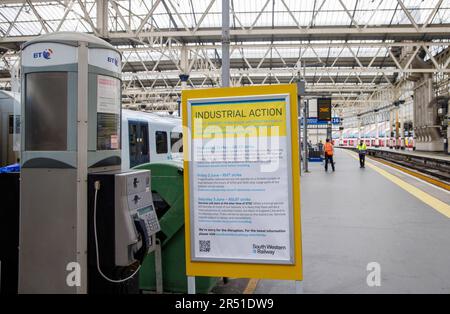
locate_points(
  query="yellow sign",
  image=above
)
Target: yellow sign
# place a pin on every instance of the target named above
(242, 182)
(258, 115)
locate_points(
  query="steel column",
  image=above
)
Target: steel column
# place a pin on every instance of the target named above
(225, 43)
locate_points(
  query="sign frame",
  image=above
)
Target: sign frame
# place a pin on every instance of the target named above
(257, 268)
(199, 101)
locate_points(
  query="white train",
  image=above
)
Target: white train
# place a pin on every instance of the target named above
(148, 137)
(382, 138)
(7, 154)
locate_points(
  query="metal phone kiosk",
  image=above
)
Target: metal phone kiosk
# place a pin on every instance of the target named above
(85, 225)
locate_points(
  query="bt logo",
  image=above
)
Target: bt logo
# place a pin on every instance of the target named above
(46, 54)
(113, 61)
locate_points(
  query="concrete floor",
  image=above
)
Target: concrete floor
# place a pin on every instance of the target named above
(356, 216)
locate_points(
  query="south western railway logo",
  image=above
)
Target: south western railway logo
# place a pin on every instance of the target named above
(46, 54)
(267, 249)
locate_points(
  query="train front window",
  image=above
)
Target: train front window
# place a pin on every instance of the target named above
(161, 142)
(176, 142)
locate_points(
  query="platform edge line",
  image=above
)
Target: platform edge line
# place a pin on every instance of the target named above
(415, 174)
(251, 286)
(426, 198)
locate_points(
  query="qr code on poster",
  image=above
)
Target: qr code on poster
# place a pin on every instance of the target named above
(205, 245)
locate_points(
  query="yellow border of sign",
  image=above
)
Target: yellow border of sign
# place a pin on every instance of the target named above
(245, 270)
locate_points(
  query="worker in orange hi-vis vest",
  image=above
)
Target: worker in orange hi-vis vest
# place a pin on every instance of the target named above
(329, 150)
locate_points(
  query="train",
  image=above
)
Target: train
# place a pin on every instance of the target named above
(146, 137)
(149, 137)
(7, 154)
(350, 137)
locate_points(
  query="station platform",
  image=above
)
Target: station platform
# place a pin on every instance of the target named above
(355, 216)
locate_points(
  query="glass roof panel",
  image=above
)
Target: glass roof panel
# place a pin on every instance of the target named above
(189, 12)
(176, 14)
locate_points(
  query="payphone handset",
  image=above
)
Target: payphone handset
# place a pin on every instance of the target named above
(136, 220)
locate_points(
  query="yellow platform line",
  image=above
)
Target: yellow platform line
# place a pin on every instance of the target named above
(431, 201)
(423, 177)
(251, 286)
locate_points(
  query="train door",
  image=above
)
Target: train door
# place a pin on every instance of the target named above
(138, 139)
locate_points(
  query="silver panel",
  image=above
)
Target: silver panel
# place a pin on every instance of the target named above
(139, 200)
(132, 192)
(48, 228)
(141, 184)
(82, 148)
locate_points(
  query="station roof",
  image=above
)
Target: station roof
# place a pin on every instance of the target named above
(350, 49)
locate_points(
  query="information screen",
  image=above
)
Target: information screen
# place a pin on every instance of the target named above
(108, 113)
(108, 131)
(46, 111)
(324, 109)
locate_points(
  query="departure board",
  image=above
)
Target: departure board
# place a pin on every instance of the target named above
(324, 109)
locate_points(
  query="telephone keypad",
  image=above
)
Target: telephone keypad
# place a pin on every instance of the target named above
(151, 220)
